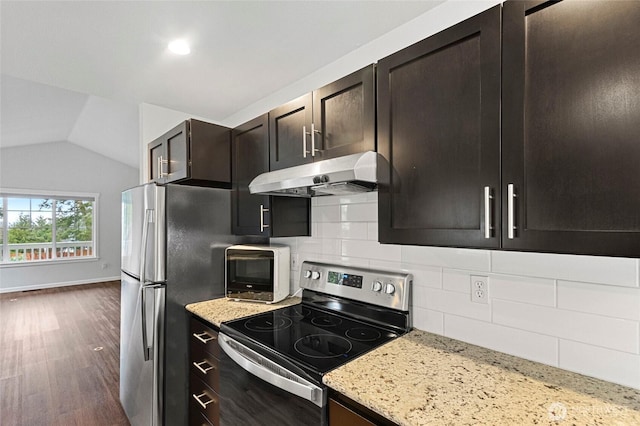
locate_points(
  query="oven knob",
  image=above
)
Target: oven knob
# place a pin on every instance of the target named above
(315, 275)
(376, 286)
(307, 274)
(389, 288)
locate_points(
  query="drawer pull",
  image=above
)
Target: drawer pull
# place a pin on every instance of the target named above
(202, 338)
(204, 370)
(202, 404)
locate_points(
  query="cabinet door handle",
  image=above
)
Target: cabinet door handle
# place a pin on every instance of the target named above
(263, 226)
(203, 404)
(511, 220)
(161, 163)
(204, 370)
(304, 141)
(313, 140)
(487, 212)
(202, 338)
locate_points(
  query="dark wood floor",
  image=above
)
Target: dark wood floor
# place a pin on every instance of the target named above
(51, 372)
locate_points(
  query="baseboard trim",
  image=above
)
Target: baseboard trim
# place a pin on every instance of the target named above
(62, 284)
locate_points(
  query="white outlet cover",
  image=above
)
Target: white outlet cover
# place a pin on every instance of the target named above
(479, 289)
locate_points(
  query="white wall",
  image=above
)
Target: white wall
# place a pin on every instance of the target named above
(63, 166)
(579, 313)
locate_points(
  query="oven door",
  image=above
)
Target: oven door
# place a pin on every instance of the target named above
(255, 390)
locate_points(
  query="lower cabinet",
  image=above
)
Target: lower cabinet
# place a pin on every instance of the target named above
(346, 412)
(204, 376)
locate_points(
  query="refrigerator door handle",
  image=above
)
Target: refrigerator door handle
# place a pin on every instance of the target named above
(148, 219)
(147, 349)
(158, 339)
(143, 315)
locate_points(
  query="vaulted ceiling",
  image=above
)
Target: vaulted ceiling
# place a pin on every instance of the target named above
(67, 65)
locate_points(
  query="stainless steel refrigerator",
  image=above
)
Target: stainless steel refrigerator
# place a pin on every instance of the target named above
(173, 241)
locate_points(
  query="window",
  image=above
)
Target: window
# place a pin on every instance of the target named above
(45, 226)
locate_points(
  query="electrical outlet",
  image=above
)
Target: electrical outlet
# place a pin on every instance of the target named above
(479, 289)
(295, 261)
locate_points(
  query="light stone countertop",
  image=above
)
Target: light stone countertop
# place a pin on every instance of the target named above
(426, 379)
(217, 311)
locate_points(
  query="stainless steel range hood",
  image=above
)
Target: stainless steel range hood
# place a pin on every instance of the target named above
(350, 174)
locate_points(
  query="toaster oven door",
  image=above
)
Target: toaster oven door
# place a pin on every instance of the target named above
(250, 274)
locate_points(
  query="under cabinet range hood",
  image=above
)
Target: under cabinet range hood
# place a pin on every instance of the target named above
(350, 174)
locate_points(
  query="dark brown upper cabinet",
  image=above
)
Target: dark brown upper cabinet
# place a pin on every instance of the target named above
(439, 128)
(261, 215)
(290, 128)
(571, 120)
(192, 153)
(335, 120)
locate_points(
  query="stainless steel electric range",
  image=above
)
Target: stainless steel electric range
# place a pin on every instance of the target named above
(271, 373)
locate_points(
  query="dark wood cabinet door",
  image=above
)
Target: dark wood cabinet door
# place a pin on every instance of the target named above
(250, 157)
(571, 120)
(344, 411)
(439, 128)
(290, 134)
(156, 160)
(177, 152)
(339, 415)
(209, 154)
(344, 116)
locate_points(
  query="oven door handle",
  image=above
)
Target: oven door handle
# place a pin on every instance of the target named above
(271, 372)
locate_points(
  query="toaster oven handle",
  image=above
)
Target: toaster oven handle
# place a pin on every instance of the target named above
(270, 371)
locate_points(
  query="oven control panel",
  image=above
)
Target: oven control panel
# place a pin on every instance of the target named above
(384, 288)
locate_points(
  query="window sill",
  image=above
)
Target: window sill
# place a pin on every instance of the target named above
(48, 262)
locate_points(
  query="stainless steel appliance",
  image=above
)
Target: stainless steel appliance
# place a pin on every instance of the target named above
(350, 174)
(273, 363)
(173, 242)
(257, 273)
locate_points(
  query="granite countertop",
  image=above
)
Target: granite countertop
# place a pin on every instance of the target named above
(217, 311)
(422, 378)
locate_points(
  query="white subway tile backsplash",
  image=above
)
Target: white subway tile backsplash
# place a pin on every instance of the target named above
(619, 302)
(532, 346)
(372, 231)
(419, 296)
(359, 212)
(330, 213)
(345, 199)
(344, 230)
(581, 313)
(371, 250)
(425, 276)
(319, 246)
(454, 303)
(427, 320)
(475, 260)
(536, 291)
(612, 333)
(592, 269)
(386, 265)
(605, 364)
(459, 281)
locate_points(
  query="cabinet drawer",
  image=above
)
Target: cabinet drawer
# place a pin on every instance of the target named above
(205, 366)
(197, 418)
(203, 400)
(204, 337)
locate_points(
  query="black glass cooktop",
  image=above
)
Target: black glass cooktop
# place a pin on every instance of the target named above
(318, 340)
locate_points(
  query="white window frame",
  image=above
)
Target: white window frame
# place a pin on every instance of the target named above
(33, 193)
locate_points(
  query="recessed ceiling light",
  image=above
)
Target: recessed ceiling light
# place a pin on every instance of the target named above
(179, 47)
